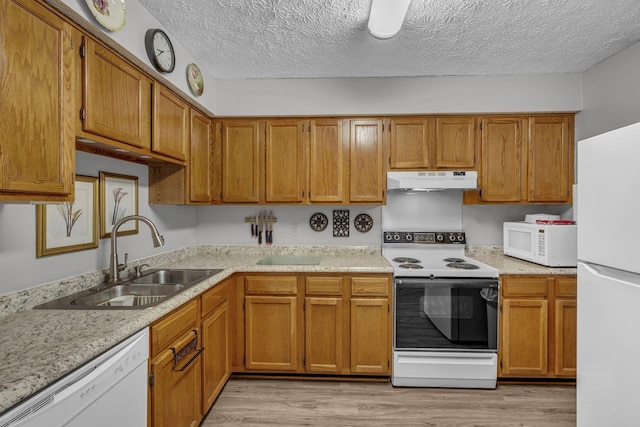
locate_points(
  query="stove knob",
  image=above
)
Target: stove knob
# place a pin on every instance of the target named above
(387, 237)
(396, 237)
(408, 237)
(452, 237)
(439, 237)
(460, 237)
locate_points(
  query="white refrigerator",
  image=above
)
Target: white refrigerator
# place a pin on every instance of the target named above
(608, 216)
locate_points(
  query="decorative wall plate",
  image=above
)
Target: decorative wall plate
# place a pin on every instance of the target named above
(195, 79)
(363, 223)
(111, 14)
(341, 223)
(318, 222)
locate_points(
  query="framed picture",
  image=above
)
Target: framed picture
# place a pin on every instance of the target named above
(69, 226)
(118, 198)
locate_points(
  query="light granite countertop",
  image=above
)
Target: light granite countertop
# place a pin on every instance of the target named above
(493, 256)
(41, 346)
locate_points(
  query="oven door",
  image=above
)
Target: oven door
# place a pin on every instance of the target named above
(446, 314)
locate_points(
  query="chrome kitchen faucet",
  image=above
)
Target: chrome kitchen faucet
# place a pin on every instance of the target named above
(114, 267)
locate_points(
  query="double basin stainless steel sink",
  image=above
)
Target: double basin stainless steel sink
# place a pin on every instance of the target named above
(138, 293)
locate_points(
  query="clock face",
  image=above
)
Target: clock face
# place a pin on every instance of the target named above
(160, 50)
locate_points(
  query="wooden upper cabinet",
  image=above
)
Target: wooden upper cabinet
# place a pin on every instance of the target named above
(327, 162)
(241, 166)
(409, 143)
(285, 169)
(170, 123)
(455, 143)
(37, 141)
(502, 159)
(550, 159)
(116, 97)
(199, 158)
(366, 169)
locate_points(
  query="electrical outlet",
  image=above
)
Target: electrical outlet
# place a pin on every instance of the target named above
(295, 228)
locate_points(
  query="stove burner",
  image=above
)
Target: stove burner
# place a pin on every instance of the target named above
(404, 260)
(463, 266)
(411, 266)
(453, 260)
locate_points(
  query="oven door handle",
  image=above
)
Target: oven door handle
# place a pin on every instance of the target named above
(448, 283)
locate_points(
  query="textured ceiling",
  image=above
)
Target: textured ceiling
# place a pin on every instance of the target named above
(237, 39)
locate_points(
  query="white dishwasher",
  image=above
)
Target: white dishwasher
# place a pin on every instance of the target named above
(110, 390)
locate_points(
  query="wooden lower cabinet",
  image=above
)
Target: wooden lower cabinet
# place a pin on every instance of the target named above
(175, 369)
(332, 324)
(538, 326)
(216, 341)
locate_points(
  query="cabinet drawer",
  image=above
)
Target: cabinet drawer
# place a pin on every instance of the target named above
(566, 287)
(214, 297)
(370, 286)
(323, 286)
(171, 326)
(271, 285)
(524, 287)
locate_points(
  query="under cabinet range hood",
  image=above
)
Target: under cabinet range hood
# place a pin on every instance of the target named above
(431, 181)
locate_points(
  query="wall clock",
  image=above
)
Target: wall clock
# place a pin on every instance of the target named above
(160, 50)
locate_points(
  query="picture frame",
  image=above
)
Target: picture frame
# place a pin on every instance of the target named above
(69, 226)
(118, 198)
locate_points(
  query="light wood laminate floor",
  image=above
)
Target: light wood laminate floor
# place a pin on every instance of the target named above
(260, 402)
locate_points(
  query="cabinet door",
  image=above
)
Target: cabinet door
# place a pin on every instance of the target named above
(524, 337)
(116, 97)
(199, 158)
(366, 170)
(370, 344)
(323, 326)
(502, 159)
(327, 162)
(565, 337)
(175, 393)
(409, 143)
(216, 359)
(37, 140)
(170, 123)
(271, 333)
(550, 164)
(285, 170)
(455, 142)
(241, 162)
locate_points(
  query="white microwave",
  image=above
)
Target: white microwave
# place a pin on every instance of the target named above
(553, 245)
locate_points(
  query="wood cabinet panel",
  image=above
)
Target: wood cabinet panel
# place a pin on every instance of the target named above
(369, 286)
(370, 344)
(538, 326)
(271, 333)
(116, 97)
(525, 337)
(175, 393)
(216, 359)
(199, 165)
(502, 163)
(366, 170)
(409, 143)
(284, 162)
(319, 285)
(170, 123)
(323, 333)
(455, 142)
(37, 105)
(241, 166)
(173, 325)
(328, 155)
(271, 285)
(550, 159)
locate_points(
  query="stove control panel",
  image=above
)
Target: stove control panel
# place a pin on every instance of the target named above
(425, 237)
